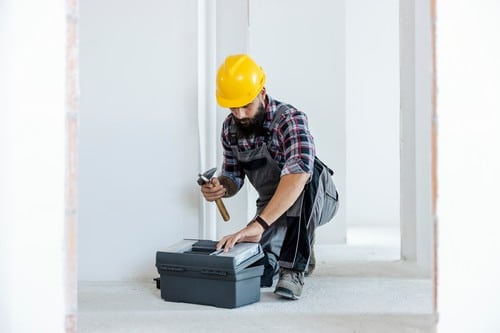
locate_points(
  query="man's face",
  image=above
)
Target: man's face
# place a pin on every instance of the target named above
(249, 118)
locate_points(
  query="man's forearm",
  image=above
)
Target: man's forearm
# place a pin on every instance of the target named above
(287, 192)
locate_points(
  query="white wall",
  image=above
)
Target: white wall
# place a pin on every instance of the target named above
(372, 104)
(5, 325)
(138, 140)
(468, 62)
(416, 119)
(32, 166)
(425, 222)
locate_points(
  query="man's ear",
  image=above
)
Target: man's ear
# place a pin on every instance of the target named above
(263, 95)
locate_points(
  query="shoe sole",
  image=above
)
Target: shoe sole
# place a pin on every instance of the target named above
(283, 292)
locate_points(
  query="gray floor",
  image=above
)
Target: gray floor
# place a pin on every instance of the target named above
(340, 304)
(355, 288)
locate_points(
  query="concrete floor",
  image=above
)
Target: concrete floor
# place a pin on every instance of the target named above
(338, 304)
(356, 288)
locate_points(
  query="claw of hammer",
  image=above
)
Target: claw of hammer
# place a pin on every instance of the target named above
(204, 179)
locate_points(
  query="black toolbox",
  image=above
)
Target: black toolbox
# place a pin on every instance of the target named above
(192, 271)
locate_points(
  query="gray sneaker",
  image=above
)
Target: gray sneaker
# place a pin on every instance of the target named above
(290, 284)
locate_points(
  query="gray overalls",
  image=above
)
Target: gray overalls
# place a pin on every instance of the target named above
(287, 242)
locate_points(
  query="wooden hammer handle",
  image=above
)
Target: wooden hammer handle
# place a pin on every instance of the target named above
(222, 209)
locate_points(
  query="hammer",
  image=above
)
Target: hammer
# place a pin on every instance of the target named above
(204, 179)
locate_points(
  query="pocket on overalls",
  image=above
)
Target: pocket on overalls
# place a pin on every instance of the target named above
(330, 198)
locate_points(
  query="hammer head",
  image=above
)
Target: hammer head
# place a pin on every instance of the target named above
(205, 177)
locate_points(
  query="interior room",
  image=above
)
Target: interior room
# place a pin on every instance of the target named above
(108, 117)
(137, 189)
(130, 121)
(149, 124)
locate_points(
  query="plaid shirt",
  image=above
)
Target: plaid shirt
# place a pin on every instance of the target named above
(291, 144)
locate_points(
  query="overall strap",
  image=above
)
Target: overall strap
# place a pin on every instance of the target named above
(279, 111)
(233, 138)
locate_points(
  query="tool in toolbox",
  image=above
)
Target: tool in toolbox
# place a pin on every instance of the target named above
(205, 178)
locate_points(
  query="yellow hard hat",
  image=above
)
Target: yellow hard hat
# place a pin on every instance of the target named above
(239, 81)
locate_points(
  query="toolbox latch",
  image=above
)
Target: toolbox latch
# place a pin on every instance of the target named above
(213, 272)
(172, 268)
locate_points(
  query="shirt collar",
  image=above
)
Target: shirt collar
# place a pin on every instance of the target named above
(270, 111)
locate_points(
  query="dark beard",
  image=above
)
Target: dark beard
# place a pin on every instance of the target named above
(247, 127)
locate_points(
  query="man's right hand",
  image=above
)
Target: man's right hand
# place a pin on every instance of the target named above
(213, 190)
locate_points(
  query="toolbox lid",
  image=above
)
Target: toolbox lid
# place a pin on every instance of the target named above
(202, 256)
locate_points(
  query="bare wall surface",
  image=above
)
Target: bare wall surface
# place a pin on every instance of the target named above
(138, 141)
(372, 116)
(468, 62)
(32, 159)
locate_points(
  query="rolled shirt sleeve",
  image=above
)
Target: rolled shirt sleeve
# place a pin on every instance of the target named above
(298, 143)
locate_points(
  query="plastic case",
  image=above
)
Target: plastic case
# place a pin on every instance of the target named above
(192, 271)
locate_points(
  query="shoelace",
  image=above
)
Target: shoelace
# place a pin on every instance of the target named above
(294, 275)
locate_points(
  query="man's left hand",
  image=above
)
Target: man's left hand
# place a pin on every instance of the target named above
(252, 233)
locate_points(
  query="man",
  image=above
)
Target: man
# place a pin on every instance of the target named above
(269, 142)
